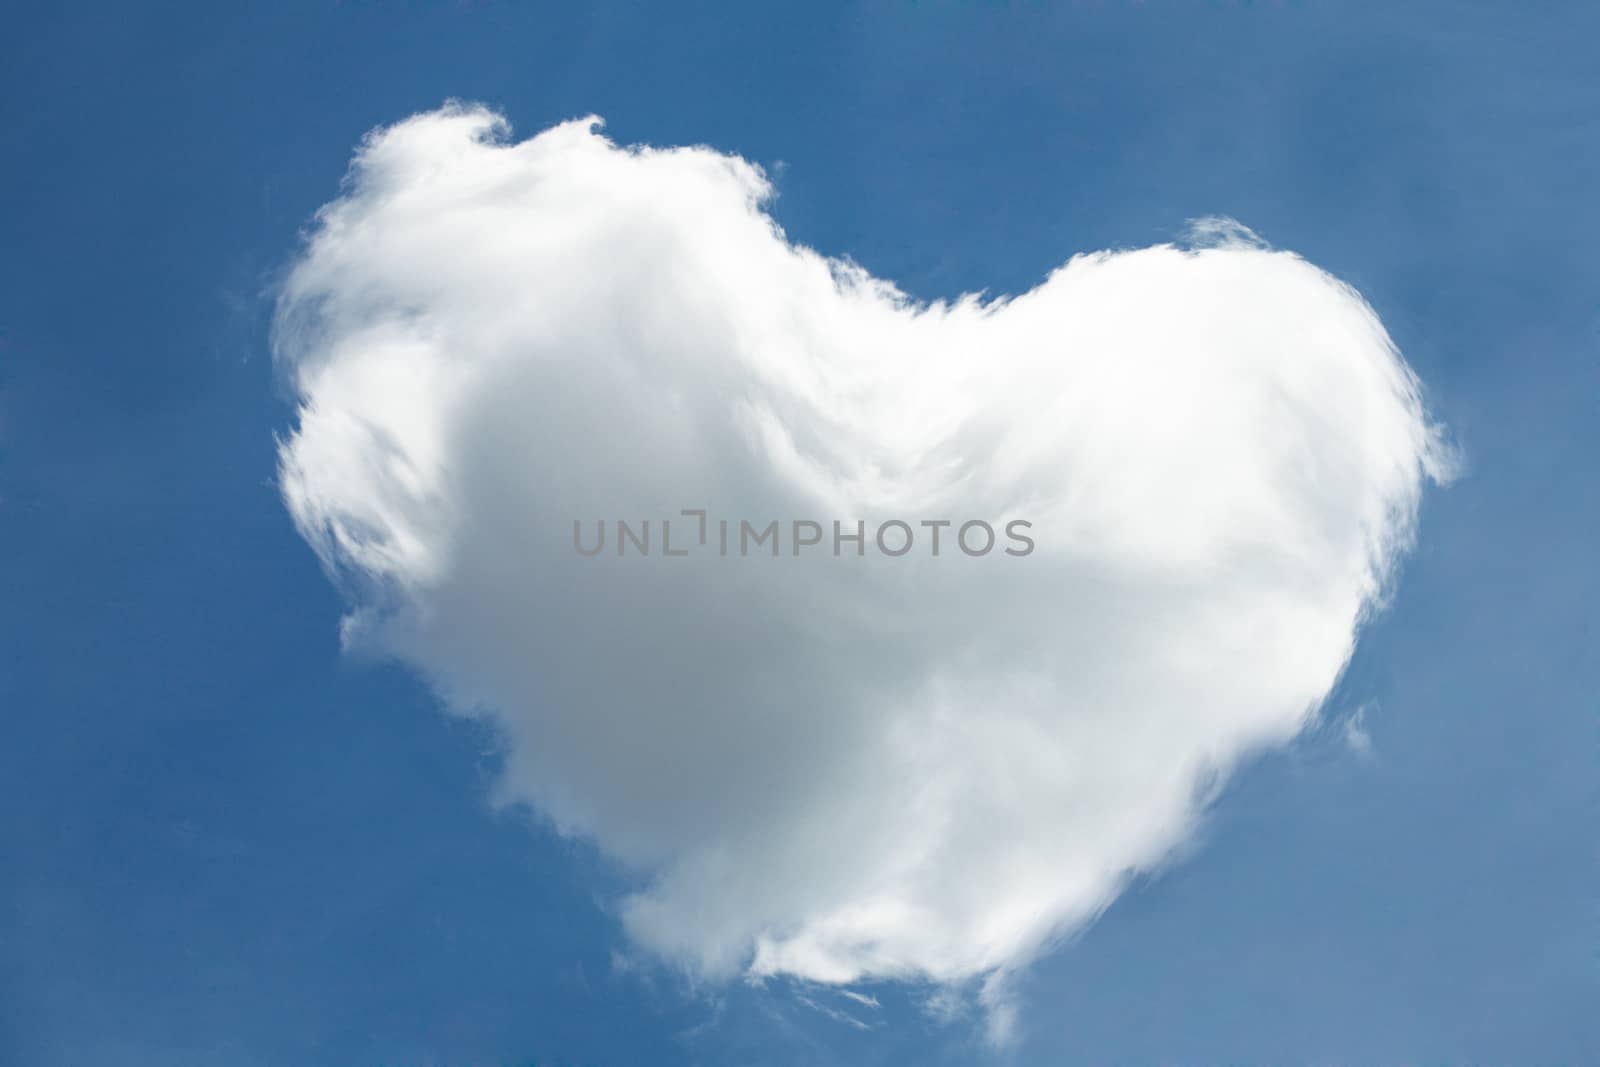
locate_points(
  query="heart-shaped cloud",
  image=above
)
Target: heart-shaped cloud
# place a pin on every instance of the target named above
(854, 765)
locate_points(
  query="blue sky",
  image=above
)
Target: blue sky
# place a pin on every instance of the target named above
(223, 841)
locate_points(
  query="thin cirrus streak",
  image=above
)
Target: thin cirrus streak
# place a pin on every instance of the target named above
(835, 768)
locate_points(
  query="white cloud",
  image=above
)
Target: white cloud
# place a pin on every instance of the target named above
(1356, 736)
(866, 1000)
(836, 769)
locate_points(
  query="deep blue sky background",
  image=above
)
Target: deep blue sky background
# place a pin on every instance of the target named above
(222, 843)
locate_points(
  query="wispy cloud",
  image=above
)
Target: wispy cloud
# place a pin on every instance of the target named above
(1354, 731)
